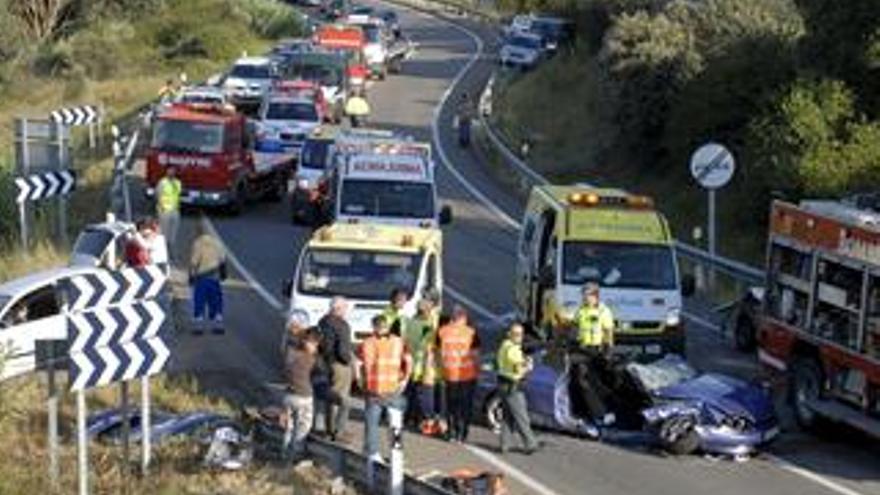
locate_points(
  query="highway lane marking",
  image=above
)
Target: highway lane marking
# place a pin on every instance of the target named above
(531, 483)
(240, 268)
(805, 473)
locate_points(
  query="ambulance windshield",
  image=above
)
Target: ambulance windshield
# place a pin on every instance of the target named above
(381, 198)
(620, 265)
(365, 275)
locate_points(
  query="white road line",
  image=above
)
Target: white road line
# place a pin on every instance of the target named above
(701, 321)
(804, 473)
(532, 484)
(239, 266)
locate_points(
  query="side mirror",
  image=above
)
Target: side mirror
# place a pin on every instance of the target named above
(445, 215)
(688, 285)
(287, 287)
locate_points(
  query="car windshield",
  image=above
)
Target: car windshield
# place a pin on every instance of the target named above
(382, 198)
(186, 136)
(666, 372)
(92, 242)
(198, 98)
(525, 42)
(314, 154)
(369, 275)
(247, 71)
(618, 265)
(291, 111)
(322, 74)
(4, 302)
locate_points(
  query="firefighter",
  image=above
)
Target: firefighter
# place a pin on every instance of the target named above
(386, 369)
(394, 311)
(459, 349)
(513, 366)
(168, 191)
(595, 339)
(357, 108)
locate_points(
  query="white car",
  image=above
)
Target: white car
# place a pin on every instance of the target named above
(519, 24)
(102, 244)
(250, 79)
(522, 50)
(209, 95)
(285, 122)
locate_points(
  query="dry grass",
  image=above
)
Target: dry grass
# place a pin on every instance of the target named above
(176, 469)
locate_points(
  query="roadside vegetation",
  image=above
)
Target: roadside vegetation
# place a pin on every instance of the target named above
(116, 54)
(790, 86)
(177, 469)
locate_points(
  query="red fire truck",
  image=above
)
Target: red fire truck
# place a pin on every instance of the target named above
(821, 319)
(212, 148)
(350, 40)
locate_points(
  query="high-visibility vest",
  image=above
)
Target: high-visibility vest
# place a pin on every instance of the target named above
(392, 315)
(510, 361)
(417, 333)
(595, 325)
(168, 195)
(357, 106)
(383, 364)
(458, 359)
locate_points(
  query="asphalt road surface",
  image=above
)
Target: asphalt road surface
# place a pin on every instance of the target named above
(478, 271)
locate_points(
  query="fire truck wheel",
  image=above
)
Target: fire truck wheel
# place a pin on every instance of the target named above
(805, 386)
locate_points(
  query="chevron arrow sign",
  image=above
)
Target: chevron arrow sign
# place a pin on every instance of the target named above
(74, 116)
(114, 326)
(104, 288)
(99, 366)
(45, 185)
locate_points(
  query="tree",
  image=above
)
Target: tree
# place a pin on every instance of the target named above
(41, 18)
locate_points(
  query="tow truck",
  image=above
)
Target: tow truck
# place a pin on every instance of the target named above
(572, 235)
(212, 148)
(351, 41)
(364, 263)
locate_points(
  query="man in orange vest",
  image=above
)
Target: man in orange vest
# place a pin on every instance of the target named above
(459, 349)
(386, 368)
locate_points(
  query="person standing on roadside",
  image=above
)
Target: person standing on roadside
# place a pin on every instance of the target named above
(299, 361)
(385, 371)
(207, 269)
(338, 353)
(137, 252)
(419, 333)
(357, 108)
(156, 243)
(459, 348)
(513, 366)
(394, 311)
(168, 191)
(595, 339)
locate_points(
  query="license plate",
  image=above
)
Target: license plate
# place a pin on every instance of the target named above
(770, 434)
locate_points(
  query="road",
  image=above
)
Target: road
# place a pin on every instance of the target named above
(478, 270)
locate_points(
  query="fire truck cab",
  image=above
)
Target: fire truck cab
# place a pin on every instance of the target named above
(212, 148)
(820, 323)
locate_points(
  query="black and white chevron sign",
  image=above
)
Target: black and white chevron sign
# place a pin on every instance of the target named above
(45, 185)
(86, 114)
(114, 325)
(104, 288)
(99, 366)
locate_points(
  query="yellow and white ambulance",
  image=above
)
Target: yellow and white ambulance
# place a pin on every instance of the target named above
(364, 263)
(572, 235)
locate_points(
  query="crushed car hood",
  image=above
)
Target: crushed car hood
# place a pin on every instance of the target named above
(729, 395)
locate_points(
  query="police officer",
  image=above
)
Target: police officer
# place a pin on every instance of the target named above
(357, 108)
(595, 338)
(168, 192)
(513, 366)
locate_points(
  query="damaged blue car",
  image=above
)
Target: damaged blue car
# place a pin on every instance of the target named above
(665, 403)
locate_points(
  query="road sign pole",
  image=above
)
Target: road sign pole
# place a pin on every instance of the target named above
(711, 234)
(23, 169)
(126, 424)
(62, 200)
(146, 427)
(52, 407)
(395, 478)
(81, 444)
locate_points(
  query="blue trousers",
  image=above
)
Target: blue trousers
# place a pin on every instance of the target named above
(372, 416)
(207, 294)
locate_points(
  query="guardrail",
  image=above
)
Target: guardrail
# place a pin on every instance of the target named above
(736, 269)
(352, 466)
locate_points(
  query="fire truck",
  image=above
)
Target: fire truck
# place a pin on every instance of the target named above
(351, 41)
(212, 148)
(820, 323)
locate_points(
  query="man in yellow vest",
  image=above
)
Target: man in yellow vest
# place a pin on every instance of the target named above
(513, 365)
(357, 108)
(595, 338)
(419, 333)
(168, 191)
(394, 311)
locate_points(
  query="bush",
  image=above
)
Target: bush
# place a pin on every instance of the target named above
(53, 60)
(271, 19)
(103, 50)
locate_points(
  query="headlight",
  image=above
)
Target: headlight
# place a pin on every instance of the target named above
(302, 184)
(673, 317)
(738, 423)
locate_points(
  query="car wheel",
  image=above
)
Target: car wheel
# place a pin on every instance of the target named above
(678, 436)
(744, 334)
(492, 412)
(805, 386)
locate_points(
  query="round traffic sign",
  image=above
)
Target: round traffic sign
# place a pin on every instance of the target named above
(712, 165)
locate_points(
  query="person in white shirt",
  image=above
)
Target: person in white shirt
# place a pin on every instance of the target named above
(156, 243)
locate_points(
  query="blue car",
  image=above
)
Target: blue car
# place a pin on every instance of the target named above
(665, 403)
(107, 425)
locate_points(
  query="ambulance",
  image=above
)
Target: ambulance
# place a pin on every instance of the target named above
(386, 181)
(364, 263)
(572, 235)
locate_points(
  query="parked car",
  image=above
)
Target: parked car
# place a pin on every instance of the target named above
(208, 95)
(665, 403)
(522, 50)
(249, 80)
(102, 244)
(519, 24)
(555, 32)
(285, 122)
